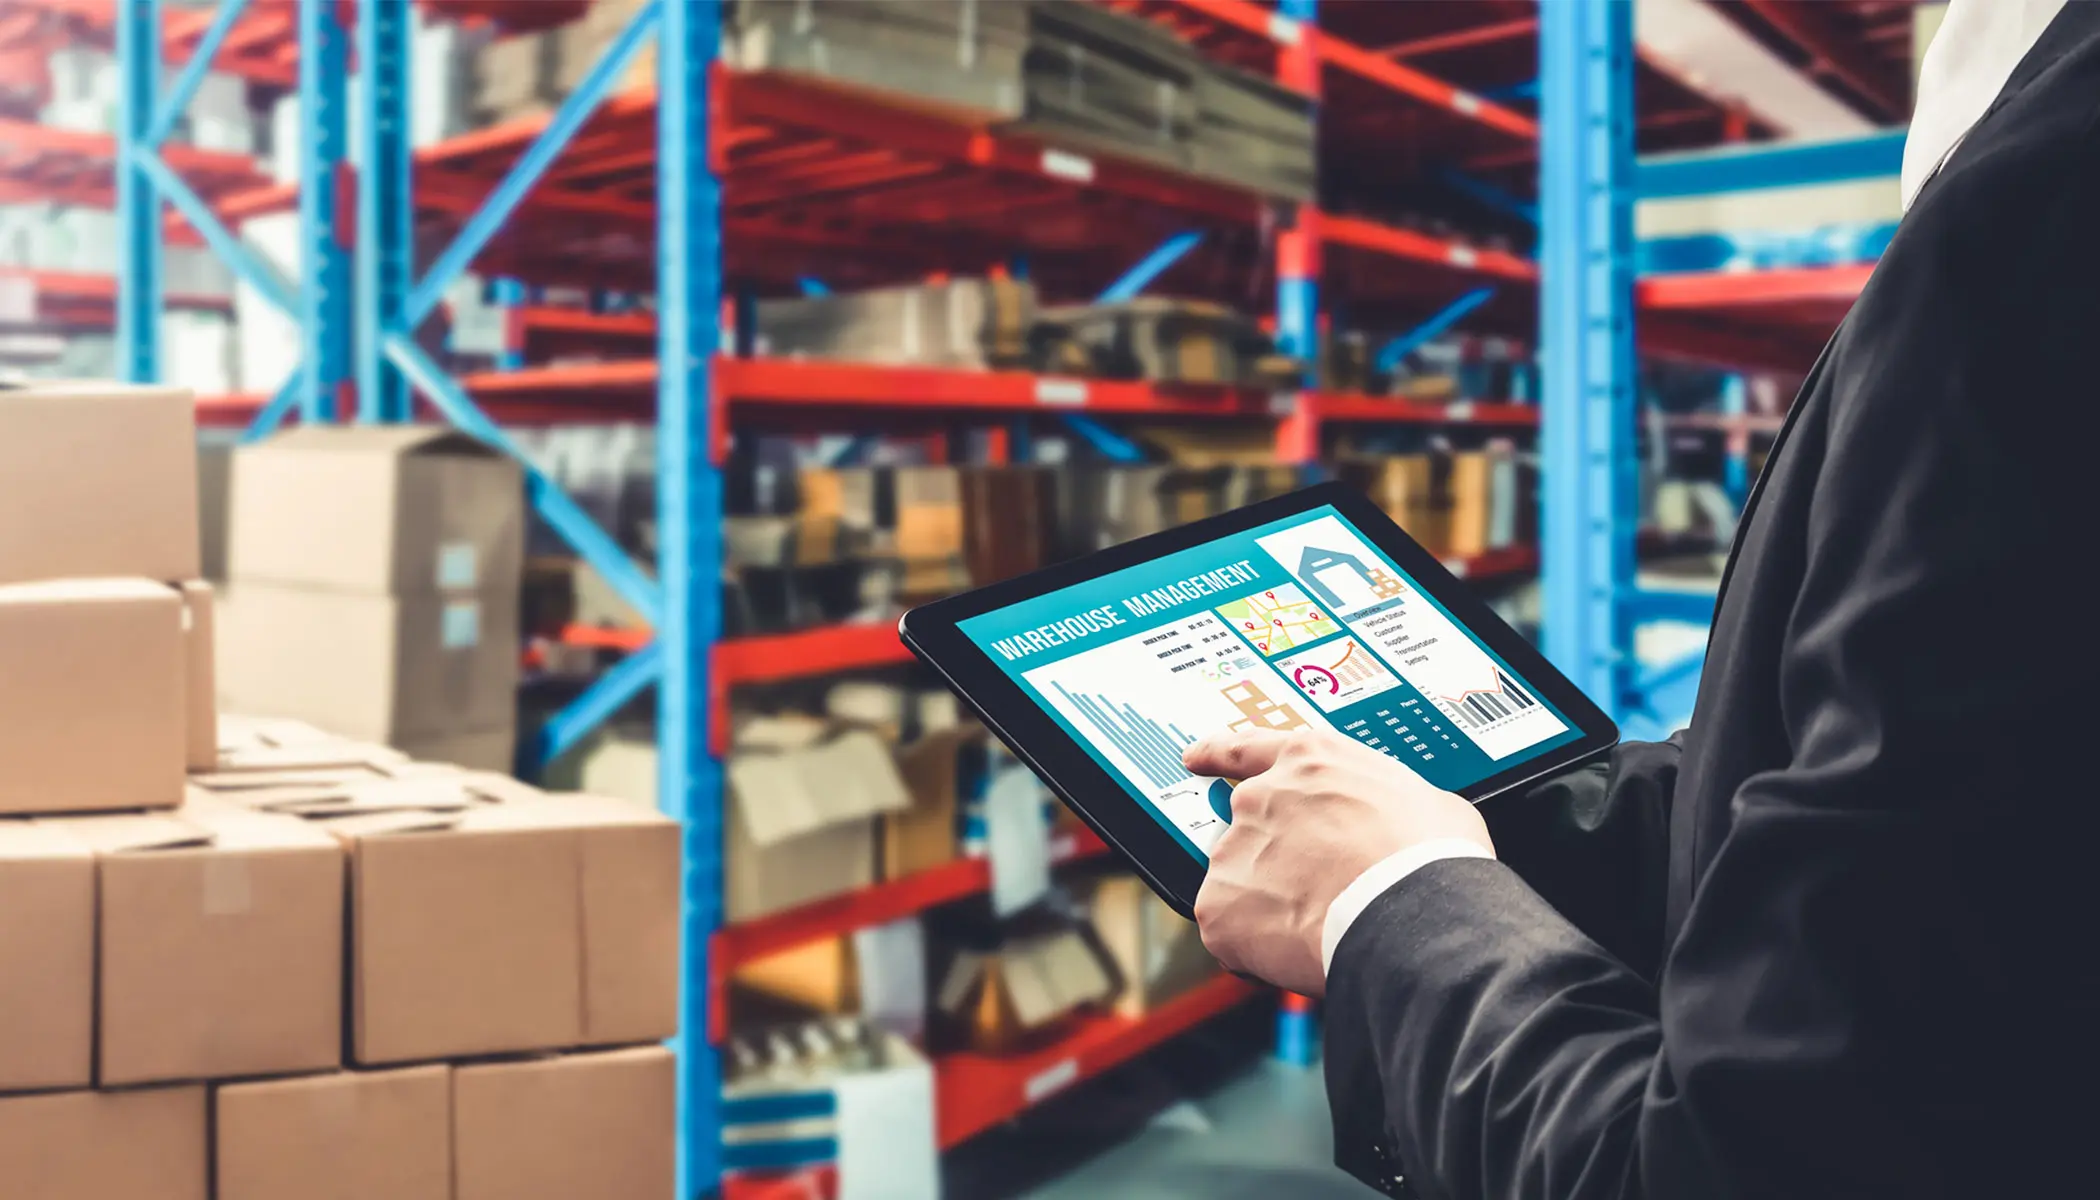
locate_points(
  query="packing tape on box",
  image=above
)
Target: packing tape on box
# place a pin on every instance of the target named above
(229, 888)
(457, 570)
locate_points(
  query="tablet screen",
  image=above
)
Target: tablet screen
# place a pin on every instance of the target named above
(1299, 622)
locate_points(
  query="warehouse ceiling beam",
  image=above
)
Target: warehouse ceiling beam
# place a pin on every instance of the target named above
(1808, 27)
(495, 211)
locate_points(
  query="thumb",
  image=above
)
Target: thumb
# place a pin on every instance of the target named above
(1235, 755)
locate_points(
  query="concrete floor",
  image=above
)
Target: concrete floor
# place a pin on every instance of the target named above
(1261, 1136)
(1208, 1116)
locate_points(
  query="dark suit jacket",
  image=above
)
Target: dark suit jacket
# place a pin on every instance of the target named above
(1842, 937)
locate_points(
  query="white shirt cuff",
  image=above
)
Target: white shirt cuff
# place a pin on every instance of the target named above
(1377, 878)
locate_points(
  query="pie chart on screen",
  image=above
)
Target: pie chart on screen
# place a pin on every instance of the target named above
(1221, 799)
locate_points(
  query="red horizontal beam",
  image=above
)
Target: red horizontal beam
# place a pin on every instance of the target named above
(1337, 406)
(1459, 39)
(1744, 289)
(1370, 236)
(975, 1092)
(868, 907)
(777, 657)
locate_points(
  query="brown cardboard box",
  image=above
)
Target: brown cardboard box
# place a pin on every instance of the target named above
(138, 1145)
(92, 695)
(347, 1136)
(221, 944)
(1024, 991)
(404, 510)
(802, 814)
(601, 1126)
(382, 668)
(803, 807)
(1472, 474)
(47, 957)
(1156, 950)
(101, 479)
(822, 976)
(924, 835)
(514, 921)
(200, 646)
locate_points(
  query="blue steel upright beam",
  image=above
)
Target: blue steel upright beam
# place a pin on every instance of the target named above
(324, 275)
(385, 249)
(1590, 476)
(138, 202)
(689, 537)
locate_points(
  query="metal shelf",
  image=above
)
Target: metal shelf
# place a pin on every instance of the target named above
(83, 301)
(748, 941)
(974, 1092)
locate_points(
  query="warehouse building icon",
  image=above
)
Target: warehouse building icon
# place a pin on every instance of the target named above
(1382, 583)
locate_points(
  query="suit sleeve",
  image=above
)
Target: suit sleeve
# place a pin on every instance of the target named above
(1594, 843)
(1882, 936)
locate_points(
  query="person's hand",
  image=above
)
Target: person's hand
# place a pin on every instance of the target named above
(1313, 811)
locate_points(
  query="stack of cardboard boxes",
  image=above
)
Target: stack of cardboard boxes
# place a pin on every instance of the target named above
(374, 588)
(252, 960)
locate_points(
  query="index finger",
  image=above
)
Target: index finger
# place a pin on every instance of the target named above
(1235, 755)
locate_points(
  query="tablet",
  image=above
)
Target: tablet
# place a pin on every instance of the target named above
(1310, 610)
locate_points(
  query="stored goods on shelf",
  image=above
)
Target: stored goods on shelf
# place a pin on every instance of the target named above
(351, 1133)
(146, 1144)
(1253, 131)
(836, 1092)
(960, 57)
(1169, 341)
(1105, 81)
(934, 767)
(1156, 951)
(964, 323)
(1023, 992)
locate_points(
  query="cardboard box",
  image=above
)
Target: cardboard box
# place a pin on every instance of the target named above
(596, 1125)
(803, 811)
(200, 676)
(802, 814)
(138, 1145)
(821, 976)
(394, 669)
(348, 1136)
(214, 499)
(1472, 506)
(401, 510)
(515, 920)
(101, 479)
(47, 958)
(1157, 951)
(1023, 992)
(924, 836)
(92, 697)
(221, 949)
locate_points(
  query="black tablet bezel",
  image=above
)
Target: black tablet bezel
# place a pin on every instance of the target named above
(930, 632)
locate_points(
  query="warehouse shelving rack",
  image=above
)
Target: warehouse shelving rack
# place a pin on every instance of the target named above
(658, 156)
